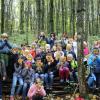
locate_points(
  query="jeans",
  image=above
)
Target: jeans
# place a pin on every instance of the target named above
(48, 79)
(14, 83)
(26, 86)
(97, 79)
(90, 82)
(39, 76)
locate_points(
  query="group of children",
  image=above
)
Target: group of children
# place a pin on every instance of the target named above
(43, 59)
(36, 65)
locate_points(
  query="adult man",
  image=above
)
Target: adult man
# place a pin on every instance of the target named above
(94, 62)
(4, 44)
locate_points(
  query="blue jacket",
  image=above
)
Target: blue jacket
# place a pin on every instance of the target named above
(5, 46)
(94, 61)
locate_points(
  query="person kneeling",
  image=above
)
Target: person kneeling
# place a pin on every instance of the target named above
(36, 91)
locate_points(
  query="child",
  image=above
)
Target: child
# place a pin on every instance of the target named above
(28, 77)
(39, 72)
(86, 49)
(49, 70)
(36, 91)
(58, 53)
(63, 70)
(73, 67)
(17, 77)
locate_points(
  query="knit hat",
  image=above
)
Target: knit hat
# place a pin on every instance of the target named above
(28, 63)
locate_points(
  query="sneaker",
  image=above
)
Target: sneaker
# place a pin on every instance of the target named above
(62, 80)
(47, 87)
(50, 87)
(67, 81)
(11, 98)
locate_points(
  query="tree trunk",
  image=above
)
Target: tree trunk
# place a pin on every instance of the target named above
(73, 18)
(42, 14)
(38, 7)
(80, 31)
(21, 16)
(47, 21)
(62, 6)
(66, 14)
(51, 20)
(87, 19)
(57, 17)
(2, 16)
(27, 20)
(92, 15)
(98, 17)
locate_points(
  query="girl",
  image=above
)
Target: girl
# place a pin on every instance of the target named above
(36, 91)
(28, 77)
(63, 69)
(17, 77)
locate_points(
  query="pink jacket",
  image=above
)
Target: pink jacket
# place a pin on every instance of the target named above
(33, 90)
(86, 51)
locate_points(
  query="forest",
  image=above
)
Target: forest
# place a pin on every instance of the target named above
(29, 17)
(24, 20)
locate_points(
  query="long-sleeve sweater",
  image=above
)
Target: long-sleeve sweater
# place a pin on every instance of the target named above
(50, 67)
(18, 70)
(34, 90)
(28, 75)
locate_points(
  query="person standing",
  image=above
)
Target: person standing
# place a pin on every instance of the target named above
(2, 76)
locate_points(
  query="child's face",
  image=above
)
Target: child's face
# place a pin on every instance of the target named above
(96, 52)
(59, 48)
(38, 82)
(39, 63)
(68, 47)
(69, 58)
(63, 59)
(54, 48)
(49, 58)
(28, 65)
(20, 61)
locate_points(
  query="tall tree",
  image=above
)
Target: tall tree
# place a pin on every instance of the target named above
(11, 16)
(98, 17)
(81, 35)
(51, 20)
(87, 19)
(42, 14)
(92, 15)
(27, 14)
(62, 6)
(38, 8)
(66, 14)
(57, 16)
(2, 15)
(21, 16)
(71, 17)
(74, 17)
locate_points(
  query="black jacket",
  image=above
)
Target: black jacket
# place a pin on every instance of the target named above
(2, 69)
